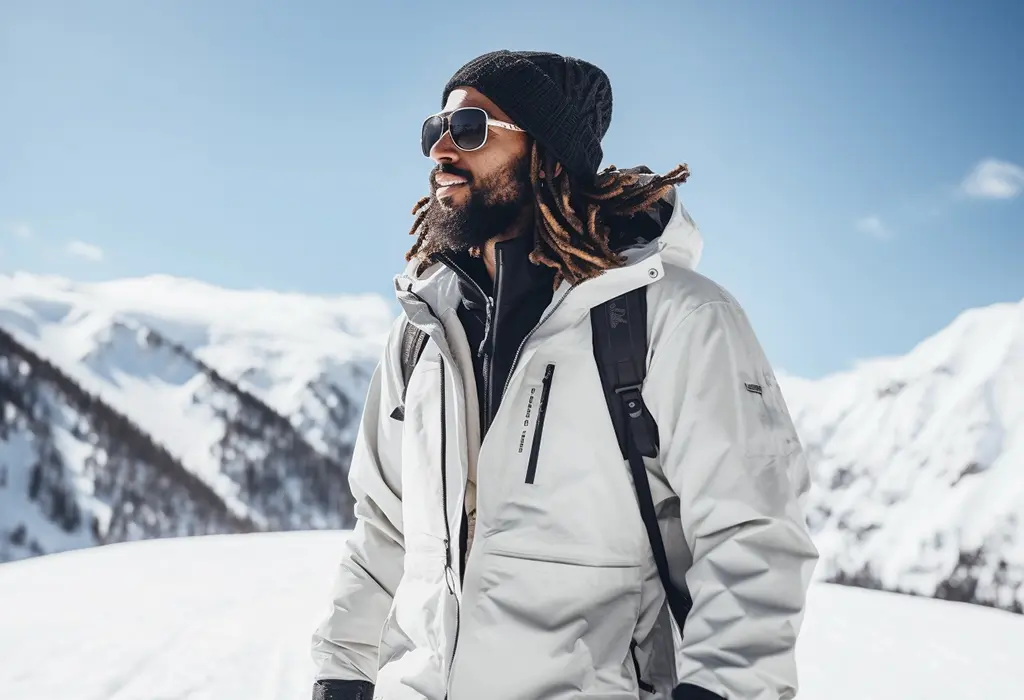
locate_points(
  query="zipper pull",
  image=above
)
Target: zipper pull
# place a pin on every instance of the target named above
(449, 573)
(487, 344)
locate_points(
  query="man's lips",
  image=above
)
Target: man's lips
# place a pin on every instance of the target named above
(448, 180)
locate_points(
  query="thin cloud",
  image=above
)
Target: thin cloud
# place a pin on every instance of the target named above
(86, 251)
(873, 226)
(22, 230)
(993, 179)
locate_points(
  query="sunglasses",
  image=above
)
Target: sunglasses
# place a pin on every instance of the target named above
(468, 127)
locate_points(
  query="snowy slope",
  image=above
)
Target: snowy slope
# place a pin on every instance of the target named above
(255, 393)
(74, 472)
(918, 463)
(212, 618)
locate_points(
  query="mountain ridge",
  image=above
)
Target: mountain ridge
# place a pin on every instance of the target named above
(917, 460)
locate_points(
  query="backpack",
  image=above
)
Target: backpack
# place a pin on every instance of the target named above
(619, 329)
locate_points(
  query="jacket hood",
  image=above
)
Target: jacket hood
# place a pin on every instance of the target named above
(666, 224)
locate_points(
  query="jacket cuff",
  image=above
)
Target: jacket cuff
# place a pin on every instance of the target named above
(688, 691)
(342, 690)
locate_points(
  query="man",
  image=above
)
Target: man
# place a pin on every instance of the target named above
(499, 550)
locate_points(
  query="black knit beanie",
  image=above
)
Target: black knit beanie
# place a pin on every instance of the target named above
(563, 102)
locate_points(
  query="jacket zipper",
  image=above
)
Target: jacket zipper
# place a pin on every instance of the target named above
(449, 573)
(444, 478)
(487, 381)
(531, 469)
(492, 332)
(641, 683)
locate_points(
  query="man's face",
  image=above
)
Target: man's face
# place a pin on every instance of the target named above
(477, 195)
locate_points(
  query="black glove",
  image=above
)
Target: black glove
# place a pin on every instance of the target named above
(342, 690)
(687, 691)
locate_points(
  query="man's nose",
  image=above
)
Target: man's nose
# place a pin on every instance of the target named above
(444, 150)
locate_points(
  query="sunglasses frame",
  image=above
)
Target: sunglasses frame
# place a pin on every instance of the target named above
(446, 125)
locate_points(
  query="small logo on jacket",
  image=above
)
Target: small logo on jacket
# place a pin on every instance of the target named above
(526, 418)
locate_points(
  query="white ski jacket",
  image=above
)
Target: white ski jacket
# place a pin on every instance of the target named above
(561, 597)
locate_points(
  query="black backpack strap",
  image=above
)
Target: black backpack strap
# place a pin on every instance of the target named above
(620, 348)
(414, 341)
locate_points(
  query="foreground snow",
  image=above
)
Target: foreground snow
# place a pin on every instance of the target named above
(217, 618)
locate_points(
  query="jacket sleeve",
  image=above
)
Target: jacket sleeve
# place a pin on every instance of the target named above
(731, 454)
(345, 644)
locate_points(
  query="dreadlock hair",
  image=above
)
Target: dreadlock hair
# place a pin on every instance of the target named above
(572, 215)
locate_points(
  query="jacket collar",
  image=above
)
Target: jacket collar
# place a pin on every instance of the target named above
(516, 276)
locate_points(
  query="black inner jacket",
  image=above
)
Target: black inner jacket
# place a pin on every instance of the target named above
(497, 315)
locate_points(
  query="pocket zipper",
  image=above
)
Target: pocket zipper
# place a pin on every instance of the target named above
(644, 685)
(531, 469)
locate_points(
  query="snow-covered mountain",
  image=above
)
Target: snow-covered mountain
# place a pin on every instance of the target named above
(158, 406)
(246, 400)
(213, 618)
(918, 464)
(74, 471)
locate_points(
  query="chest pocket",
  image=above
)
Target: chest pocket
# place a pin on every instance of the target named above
(536, 411)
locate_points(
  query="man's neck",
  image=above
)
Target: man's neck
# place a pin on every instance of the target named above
(522, 227)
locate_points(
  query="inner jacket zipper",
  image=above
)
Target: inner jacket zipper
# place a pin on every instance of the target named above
(486, 349)
(542, 409)
(490, 333)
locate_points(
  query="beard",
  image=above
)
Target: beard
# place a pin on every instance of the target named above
(494, 205)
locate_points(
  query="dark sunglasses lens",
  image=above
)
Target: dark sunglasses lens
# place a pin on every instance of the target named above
(469, 128)
(432, 130)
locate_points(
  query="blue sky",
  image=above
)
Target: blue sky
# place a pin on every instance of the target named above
(856, 165)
